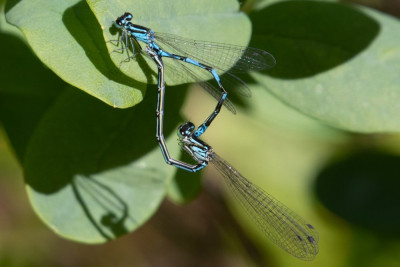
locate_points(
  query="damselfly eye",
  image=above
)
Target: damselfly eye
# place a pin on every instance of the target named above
(127, 16)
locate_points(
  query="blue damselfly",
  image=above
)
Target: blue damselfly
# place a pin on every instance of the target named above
(211, 57)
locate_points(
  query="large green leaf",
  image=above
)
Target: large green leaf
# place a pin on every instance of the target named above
(220, 21)
(93, 172)
(337, 63)
(67, 38)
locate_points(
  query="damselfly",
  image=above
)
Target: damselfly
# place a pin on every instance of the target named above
(211, 57)
(283, 226)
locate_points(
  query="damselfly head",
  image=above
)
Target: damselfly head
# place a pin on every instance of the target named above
(186, 129)
(122, 20)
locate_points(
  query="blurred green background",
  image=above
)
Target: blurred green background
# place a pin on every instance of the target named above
(345, 183)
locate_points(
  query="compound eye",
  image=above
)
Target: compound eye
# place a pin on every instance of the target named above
(128, 16)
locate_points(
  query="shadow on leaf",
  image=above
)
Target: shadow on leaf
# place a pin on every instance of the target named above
(27, 90)
(107, 200)
(310, 37)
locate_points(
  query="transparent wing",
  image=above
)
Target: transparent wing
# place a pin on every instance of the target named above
(178, 72)
(284, 227)
(222, 57)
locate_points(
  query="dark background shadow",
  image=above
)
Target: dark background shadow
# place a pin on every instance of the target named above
(363, 188)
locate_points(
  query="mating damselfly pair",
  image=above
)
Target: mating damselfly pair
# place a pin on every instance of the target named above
(218, 62)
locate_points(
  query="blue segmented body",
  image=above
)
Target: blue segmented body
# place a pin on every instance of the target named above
(284, 227)
(210, 56)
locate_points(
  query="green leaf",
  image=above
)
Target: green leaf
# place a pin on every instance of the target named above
(94, 172)
(220, 21)
(67, 38)
(336, 63)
